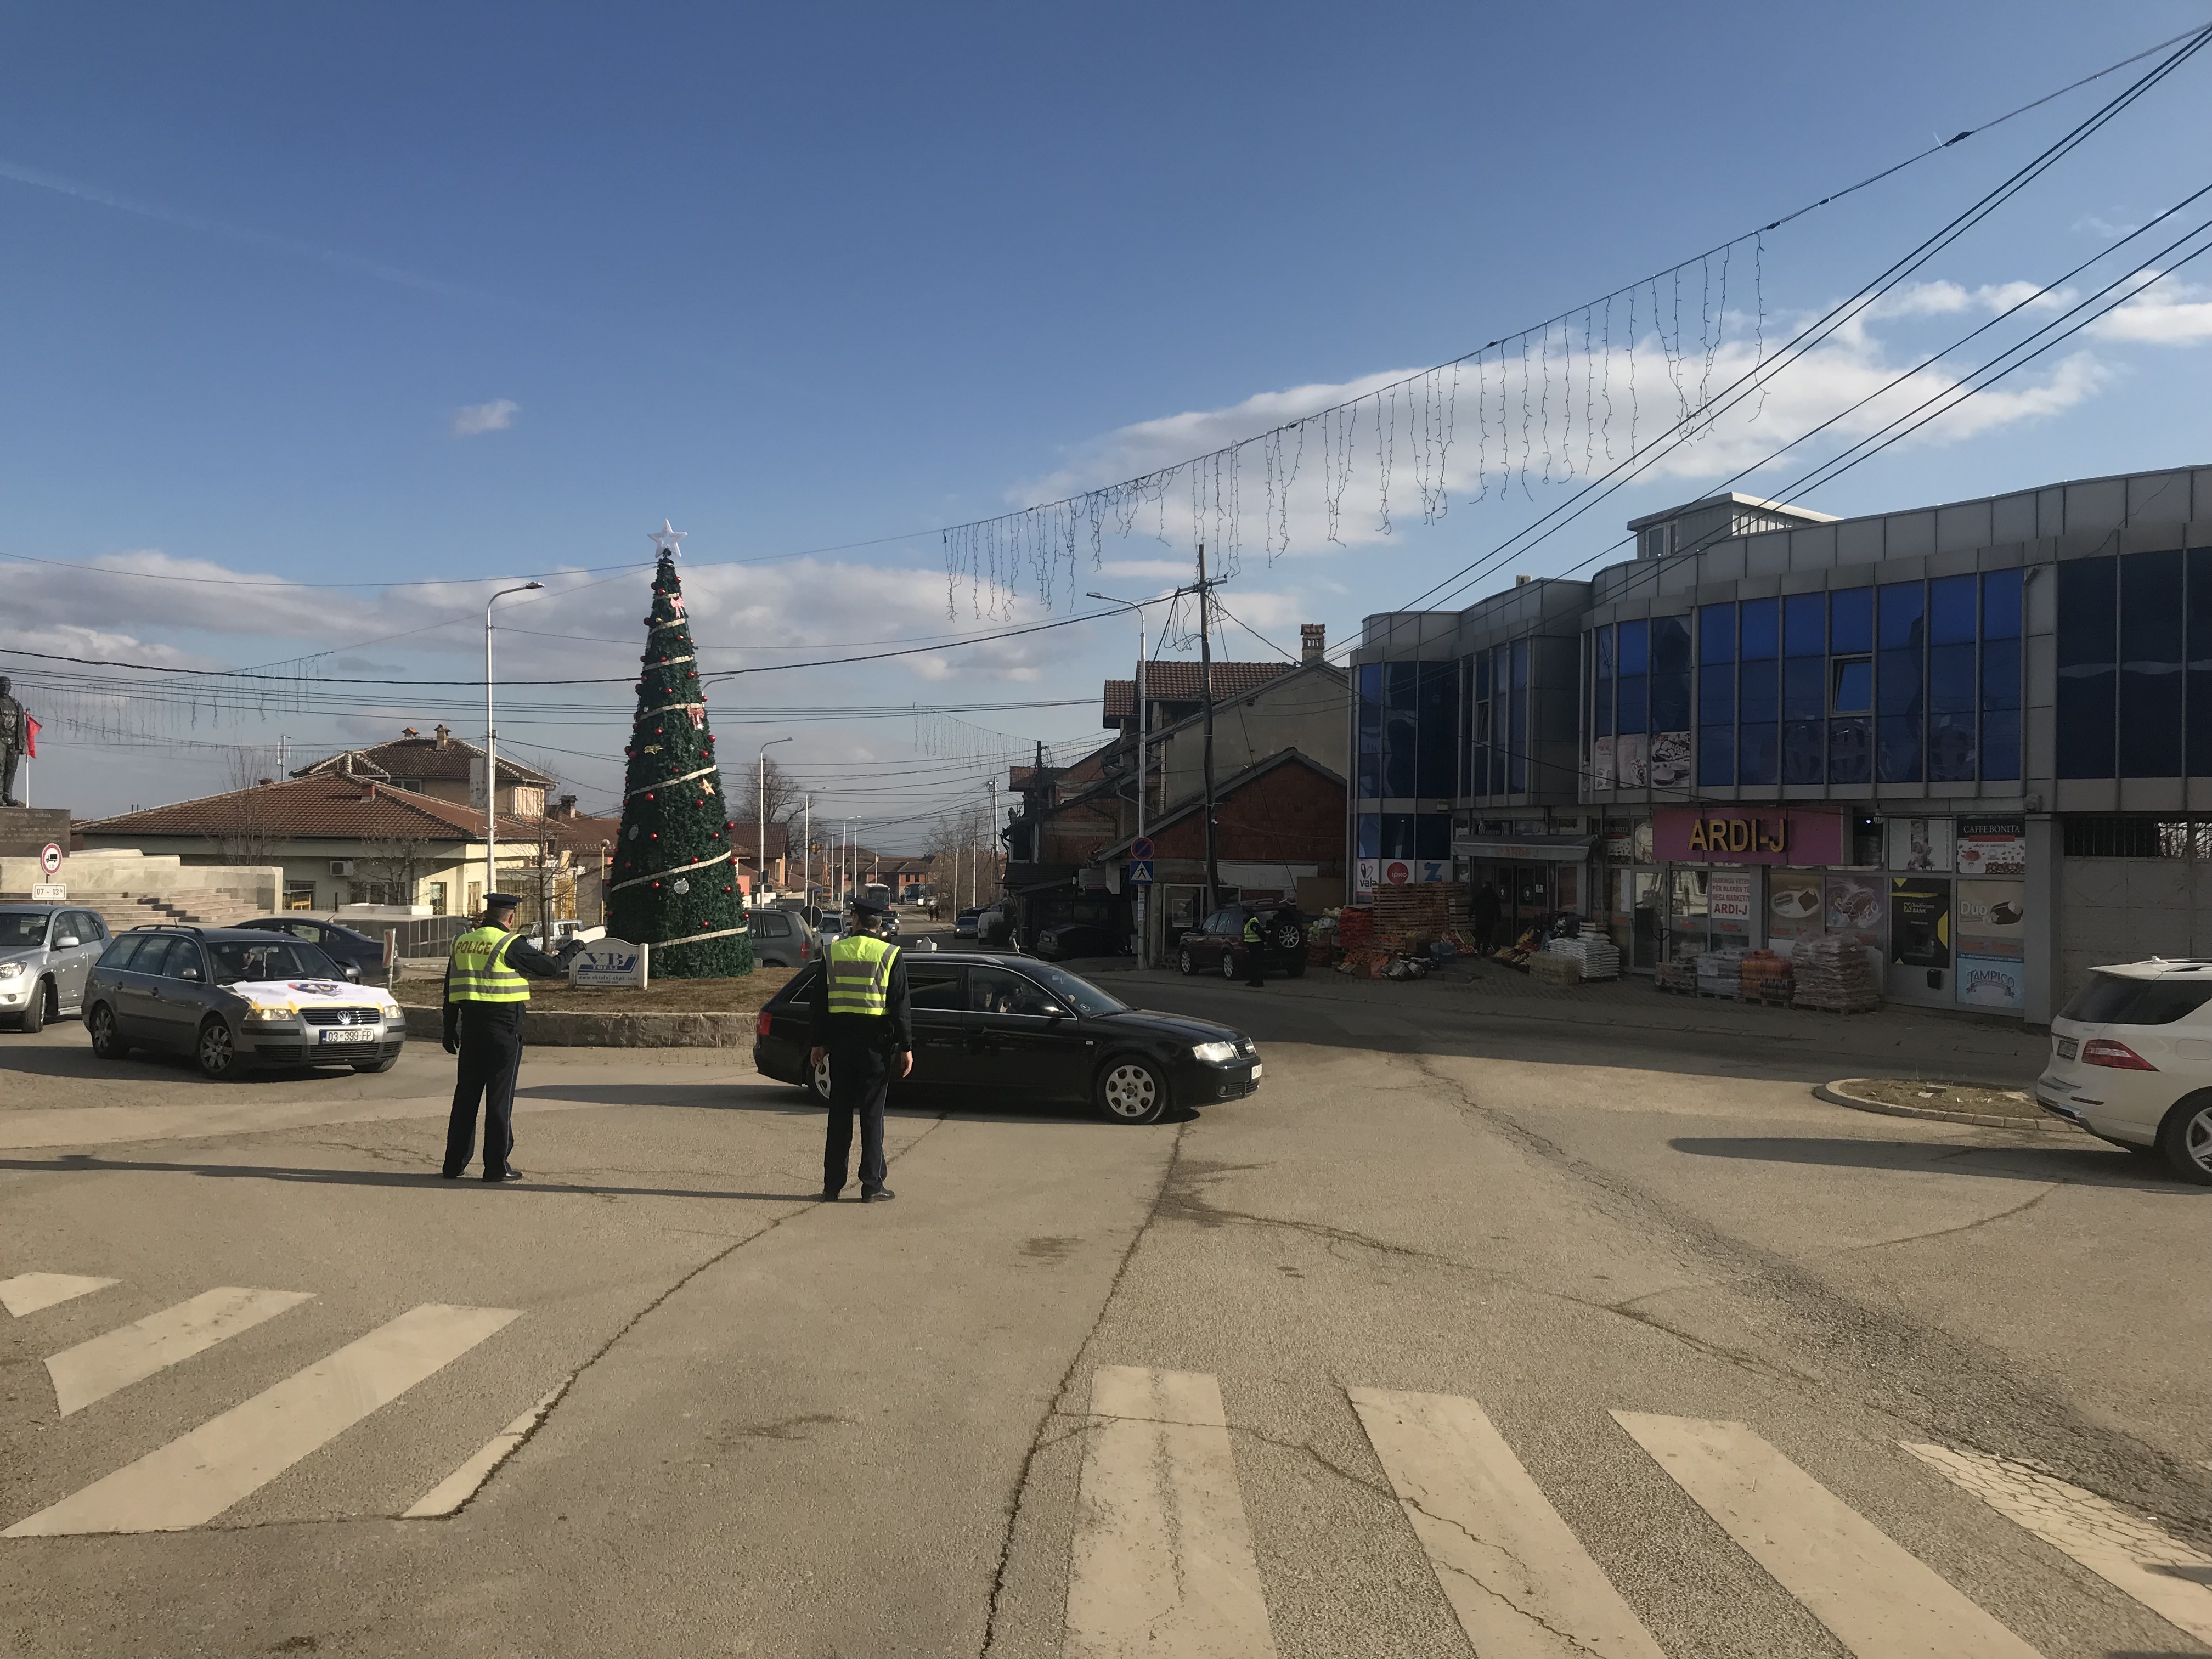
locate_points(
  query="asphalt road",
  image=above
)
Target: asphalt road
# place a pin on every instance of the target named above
(1516, 1335)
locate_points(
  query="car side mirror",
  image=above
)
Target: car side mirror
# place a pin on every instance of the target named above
(67, 942)
(352, 971)
(188, 973)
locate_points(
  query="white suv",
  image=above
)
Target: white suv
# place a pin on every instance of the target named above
(2131, 1062)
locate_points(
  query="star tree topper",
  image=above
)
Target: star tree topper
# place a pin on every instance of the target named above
(664, 539)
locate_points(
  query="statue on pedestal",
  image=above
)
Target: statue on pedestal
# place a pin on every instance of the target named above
(15, 740)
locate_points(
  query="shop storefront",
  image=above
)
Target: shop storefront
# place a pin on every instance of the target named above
(1534, 877)
(1940, 903)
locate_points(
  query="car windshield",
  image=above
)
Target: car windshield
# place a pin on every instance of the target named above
(2118, 1000)
(19, 929)
(237, 959)
(1077, 993)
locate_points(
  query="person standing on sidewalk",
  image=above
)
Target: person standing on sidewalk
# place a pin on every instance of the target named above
(486, 996)
(863, 1024)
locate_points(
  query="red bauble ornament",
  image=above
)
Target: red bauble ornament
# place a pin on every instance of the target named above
(648, 794)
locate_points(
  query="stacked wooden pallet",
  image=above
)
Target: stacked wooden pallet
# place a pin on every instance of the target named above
(1831, 973)
(1418, 911)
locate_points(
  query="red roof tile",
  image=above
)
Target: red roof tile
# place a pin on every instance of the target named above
(1179, 682)
(445, 760)
(334, 808)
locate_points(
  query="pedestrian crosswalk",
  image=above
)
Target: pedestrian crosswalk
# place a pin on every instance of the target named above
(1162, 1557)
(197, 1476)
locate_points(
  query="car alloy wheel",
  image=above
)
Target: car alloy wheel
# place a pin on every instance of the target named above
(1229, 965)
(108, 1043)
(1290, 936)
(817, 1080)
(34, 1011)
(1131, 1091)
(1186, 963)
(217, 1050)
(2185, 1139)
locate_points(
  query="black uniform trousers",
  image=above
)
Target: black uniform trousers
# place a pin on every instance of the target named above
(860, 1078)
(1255, 960)
(491, 1056)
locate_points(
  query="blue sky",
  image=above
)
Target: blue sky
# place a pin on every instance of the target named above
(408, 294)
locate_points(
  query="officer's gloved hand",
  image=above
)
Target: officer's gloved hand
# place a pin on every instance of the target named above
(453, 1045)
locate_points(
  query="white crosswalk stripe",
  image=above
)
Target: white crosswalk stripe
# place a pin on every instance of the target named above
(1521, 1583)
(197, 1476)
(92, 1370)
(1877, 1600)
(1162, 1560)
(2133, 1556)
(30, 1293)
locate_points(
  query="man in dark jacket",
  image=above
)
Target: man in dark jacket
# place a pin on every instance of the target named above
(486, 995)
(863, 1024)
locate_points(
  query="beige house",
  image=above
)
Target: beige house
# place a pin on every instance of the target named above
(341, 839)
(439, 766)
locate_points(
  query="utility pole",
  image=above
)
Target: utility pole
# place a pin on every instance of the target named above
(806, 842)
(1205, 670)
(994, 828)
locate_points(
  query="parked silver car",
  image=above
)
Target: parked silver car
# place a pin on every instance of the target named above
(45, 952)
(782, 939)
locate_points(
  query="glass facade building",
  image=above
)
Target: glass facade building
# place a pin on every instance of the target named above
(1990, 720)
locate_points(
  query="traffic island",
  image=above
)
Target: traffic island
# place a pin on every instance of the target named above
(676, 1013)
(1946, 1103)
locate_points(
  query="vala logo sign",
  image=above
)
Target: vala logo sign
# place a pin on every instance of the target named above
(610, 963)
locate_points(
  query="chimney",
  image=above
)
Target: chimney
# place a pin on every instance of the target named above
(445, 735)
(265, 782)
(408, 732)
(1312, 642)
(565, 808)
(1521, 581)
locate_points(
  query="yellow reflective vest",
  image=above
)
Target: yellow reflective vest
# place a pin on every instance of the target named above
(859, 969)
(477, 971)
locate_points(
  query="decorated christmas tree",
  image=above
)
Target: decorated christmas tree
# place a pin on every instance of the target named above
(674, 883)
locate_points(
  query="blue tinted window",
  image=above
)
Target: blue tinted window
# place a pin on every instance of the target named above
(2152, 620)
(2088, 620)
(1854, 687)
(1716, 633)
(1503, 738)
(1397, 835)
(1951, 675)
(1517, 770)
(1717, 756)
(1999, 748)
(1901, 611)
(1758, 753)
(1371, 731)
(1802, 758)
(1401, 695)
(1805, 624)
(1435, 774)
(1761, 621)
(2199, 640)
(1602, 701)
(1951, 611)
(1804, 688)
(1432, 835)
(1368, 829)
(1897, 748)
(1481, 660)
(1951, 678)
(1631, 709)
(1851, 619)
(1716, 694)
(1670, 673)
(1851, 749)
(1762, 688)
(2001, 605)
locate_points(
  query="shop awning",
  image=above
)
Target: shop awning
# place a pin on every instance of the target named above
(1529, 849)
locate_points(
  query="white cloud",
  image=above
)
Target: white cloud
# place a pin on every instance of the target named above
(2172, 314)
(496, 415)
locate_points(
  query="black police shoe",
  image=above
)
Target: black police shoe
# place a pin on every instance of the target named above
(511, 1174)
(829, 1194)
(881, 1195)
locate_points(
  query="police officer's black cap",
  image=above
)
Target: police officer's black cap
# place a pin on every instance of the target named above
(501, 902)
(867, 904)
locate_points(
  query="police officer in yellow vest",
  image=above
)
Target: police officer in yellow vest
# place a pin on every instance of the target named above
(486, 992)
(865, 1026)
(1256, 951)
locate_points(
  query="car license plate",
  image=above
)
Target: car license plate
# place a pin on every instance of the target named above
(352, 1034)
(2068, 1048)
(1256, 1070)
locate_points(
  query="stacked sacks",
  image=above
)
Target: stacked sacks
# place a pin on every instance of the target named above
(1832, 974)
(1768, 979)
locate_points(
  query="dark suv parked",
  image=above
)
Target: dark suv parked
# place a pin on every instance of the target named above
(341, 944)
(1216, 945)
(228, 995)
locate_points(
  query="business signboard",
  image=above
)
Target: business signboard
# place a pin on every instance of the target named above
(1992, 847)
(1727, 834)
(612, 963)
(1919, 921)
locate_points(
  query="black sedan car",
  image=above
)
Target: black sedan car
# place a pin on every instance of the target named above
(1216, 945)
(343, 945)
(1011, 1028)
(1078, 938)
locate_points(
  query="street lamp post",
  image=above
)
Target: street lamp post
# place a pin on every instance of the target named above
(491, 751)
(1144, 719)
(760, 818)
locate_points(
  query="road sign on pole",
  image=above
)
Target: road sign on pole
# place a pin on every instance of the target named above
(1141, 848)
(50, 857)
(1140, 872)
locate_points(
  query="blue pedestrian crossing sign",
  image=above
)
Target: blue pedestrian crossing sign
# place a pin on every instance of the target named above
(1140, 872)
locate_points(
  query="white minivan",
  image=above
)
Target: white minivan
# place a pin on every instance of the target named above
(2131, 1062)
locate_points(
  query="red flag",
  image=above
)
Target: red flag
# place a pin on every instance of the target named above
(31, 731)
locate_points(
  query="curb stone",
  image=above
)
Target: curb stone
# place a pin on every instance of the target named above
(1839, 1094)
(547, 1029)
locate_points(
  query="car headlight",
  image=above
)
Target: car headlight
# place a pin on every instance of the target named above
(1215, 1053)
(262, 1014)
(11, 970)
